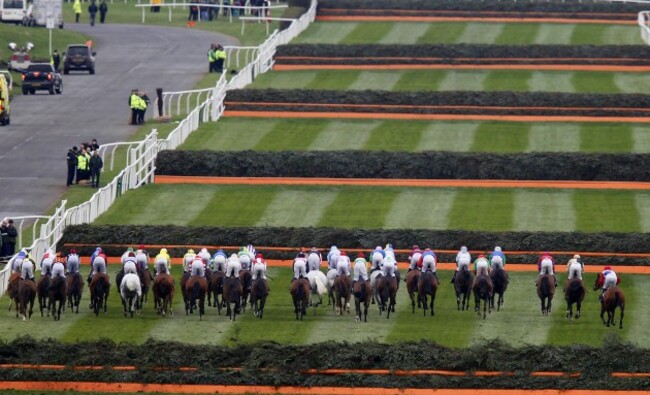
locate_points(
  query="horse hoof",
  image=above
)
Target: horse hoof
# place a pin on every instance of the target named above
(357, 319)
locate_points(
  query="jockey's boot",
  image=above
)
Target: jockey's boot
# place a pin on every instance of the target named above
(453, 278)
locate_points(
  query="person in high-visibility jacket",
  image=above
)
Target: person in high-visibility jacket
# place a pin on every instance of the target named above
(76, 8)
(212, 58)
(220, 58)
(133, 104)
(82, 165)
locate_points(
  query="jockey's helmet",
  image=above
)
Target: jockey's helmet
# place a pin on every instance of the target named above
(497, 249)
(607, 268)
(190, 251)
(463, 249)
(259, 256)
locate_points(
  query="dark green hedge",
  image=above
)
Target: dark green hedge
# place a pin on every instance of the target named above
(359, 238)
(289, 361)
(466, 54)
(423, 165)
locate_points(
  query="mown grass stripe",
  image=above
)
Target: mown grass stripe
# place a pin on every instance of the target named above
(544, 211)
(405, 33)
(338, 135)
(444, 32)
(500, 137)
(554, 138)
(476, 209)
(284, 80)
(517, 34)
(332, 79)
(290, 134)
(301, 208)
(326, 32)
(605, 211)
(594, 82)
(414, 80)
(448, 136)
(554, 33)
(542, 81)
(505, 80)
(641, 139)
(418, 209)
(229, 134)
(606, 138)
(621, 35)
(636, 320)
(587, 34)
(462, 81)
(384, 80)
(632, 82)
(481, 33)
(236, 206)
(370, 32)
(642, 201)
(398, 135)
(354, 206)
(158, 205)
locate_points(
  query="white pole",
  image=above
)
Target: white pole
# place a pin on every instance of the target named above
(142, 14)
(50, 41)
(170, 14)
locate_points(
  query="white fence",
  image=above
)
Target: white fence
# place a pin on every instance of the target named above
(182, 102)
(644, 24)
(141, 156)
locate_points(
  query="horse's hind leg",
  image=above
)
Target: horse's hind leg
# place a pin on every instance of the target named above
(621, 319)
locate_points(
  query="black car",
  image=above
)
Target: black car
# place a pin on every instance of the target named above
(41, 76)
(78, 57)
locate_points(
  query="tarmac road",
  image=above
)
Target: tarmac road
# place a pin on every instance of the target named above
(33, 148)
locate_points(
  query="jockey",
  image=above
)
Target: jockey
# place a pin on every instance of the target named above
(546, 263)
(126, 254)
(205, 256)
(245, 258)
(188, 258)
(428, 261)
(390, 263)
(333, 257)
(259, 267)
(130, 266)
(73, 261)
(300, 266)
(574, 268)
(314, 258)
(463, 259)
(97, 251)
(498, 252)
(18, 261)
(141, 259)
(233, 266)
(99, 263)
(607, 279)
(198, 267)
(58, 270)
(481, 265)
(163, 252)
(161, 264)
(545, 255)
(46, 262)
(360, 269)
(377, 257)
(343, 264)
(219, 261)
(27, 269)
(414, 258)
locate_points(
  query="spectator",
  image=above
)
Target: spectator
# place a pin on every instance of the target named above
(83, 164)
(134, 101)
(194, 13)
(144, 103)
(56, 59)
(96, 165)
(94, 146)
(9, 234)
(76, 8)
(92, 10)
(72, 164)
(103, 9)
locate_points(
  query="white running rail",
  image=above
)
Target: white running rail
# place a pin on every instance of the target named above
(141, 155)
(644, 24)
(182, 102)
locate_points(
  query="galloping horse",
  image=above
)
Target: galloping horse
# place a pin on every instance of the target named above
(483, 290)
(131, 293)
(196, 288)
(463, 285)
(183, 283)
(246, 279)
(43, 290)
(342, 294)
(500, 282)
(259, 292)
(100, 287)
(318, 285)
(26, 295)
(232, 295)
(362, 293)
(300, 295)
(387, 290)
(145, 284)
(545, 291)
(574, 293)
(75, 285)
(12, 289)
(412, 279)
(216, 286)
(612, 298)
(331, 276)
(57, 293)
(427, 285)
(163, 293)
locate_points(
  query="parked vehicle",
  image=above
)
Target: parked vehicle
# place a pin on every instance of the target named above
(78, 57)
(42, 76)
(5, 111)
(39, 9)
(13, 11)
(20, 59)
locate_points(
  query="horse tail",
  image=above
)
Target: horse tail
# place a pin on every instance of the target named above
(320, 286)
(544, 286)
(196, 290)
(299, 292)
(428, 289)
(385, 293)
(362, 292)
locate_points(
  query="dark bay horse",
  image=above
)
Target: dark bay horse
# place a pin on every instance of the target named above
(196, 289)
(246, 279)
(163, 294)
(12, 289)
(26, 296)
(545, 291)
(232, 295)
(145, 283)
(362, 294)
(483, 290)
(43, 290)
(463, 285)
(300, 295)
(342, 294)
(100, 288)
(387, 290)
(500, 282)
(574, 293)
(57, 294)
(427, 286)
(612, 298)
(412, 279)
(259, 292)
(75, 285)
(183, 284)
(216, 286)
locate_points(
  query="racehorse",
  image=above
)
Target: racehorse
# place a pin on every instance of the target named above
(412, 279)
(612, 298)
(331, 276)
(75, 285)
(100, 287)
(545, 291)
(57, 293)
(463, 285)
(483, 290)
(500, 282)
(43, 290)
(196, 288)
(300, 295)
(216, 286)
(259, 292)
(163, 294)
(362, 294)
(183, 283)
(246, 279)
(427, 285)
(131, 293)
(232, 295)
(342, 294)
(145, 283)
(26, 295)
(318, 285)
(12, 289)
(574, 293)
(387, 290)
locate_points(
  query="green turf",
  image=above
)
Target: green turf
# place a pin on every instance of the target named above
(290, 134)
(606, 211)
(401, 136)
(506, 80)
(359, 205)
(518, 34)
(442, 33)
(595, 82)
(363, 33)
(613, 138)
(412, 80)
(497, 137)
(477, 209)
